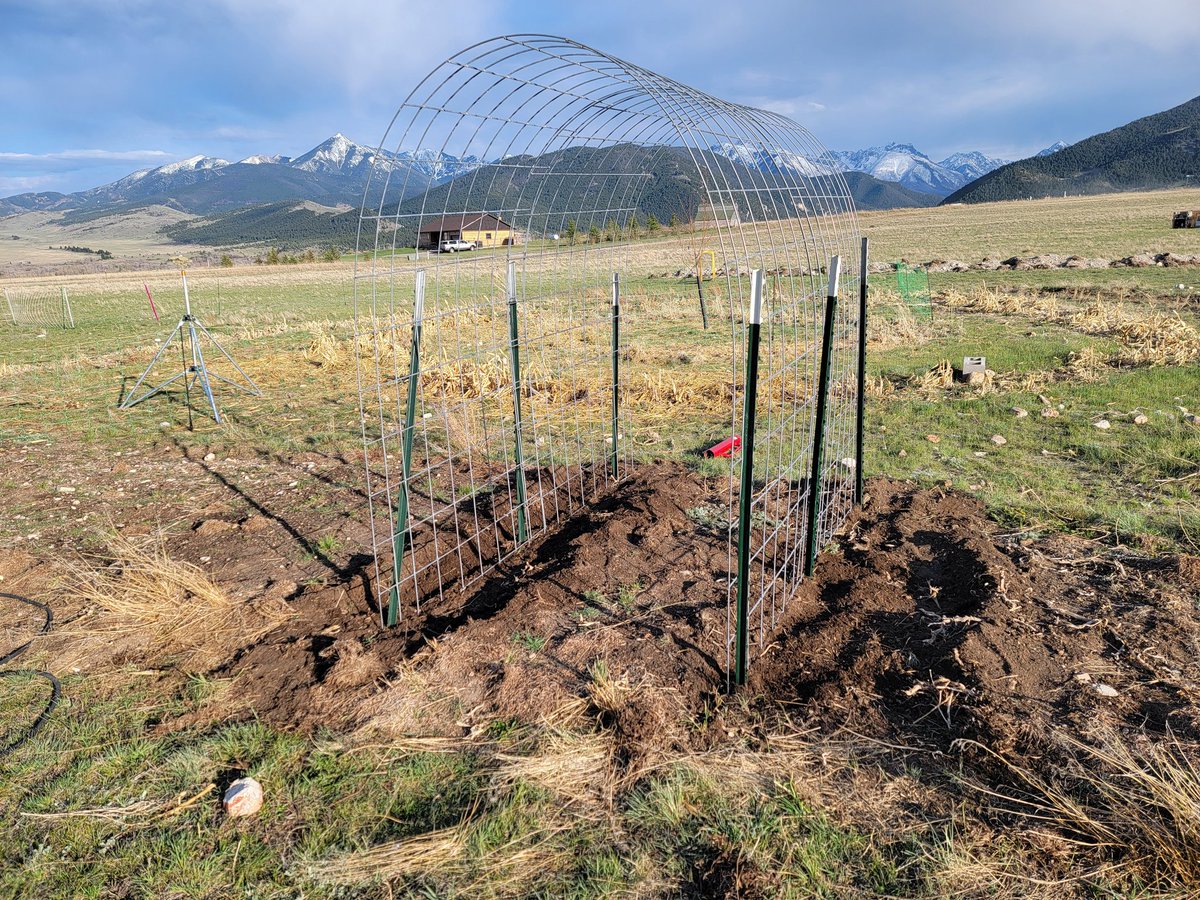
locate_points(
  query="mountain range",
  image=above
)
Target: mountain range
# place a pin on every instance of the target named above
(313, 198)
(904, 164)
(1157, 151)
(660, 180)
(335, 171)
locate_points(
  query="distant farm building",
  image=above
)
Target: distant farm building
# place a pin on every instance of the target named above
(719, 213)
(481, 229)
(1186, 219)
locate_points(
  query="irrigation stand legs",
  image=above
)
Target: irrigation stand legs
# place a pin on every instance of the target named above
(189, 330)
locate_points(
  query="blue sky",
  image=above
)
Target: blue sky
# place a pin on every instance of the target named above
(90, 91)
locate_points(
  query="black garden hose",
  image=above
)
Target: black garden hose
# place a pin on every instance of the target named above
(55, 687)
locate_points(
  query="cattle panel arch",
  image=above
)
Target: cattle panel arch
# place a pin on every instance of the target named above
(505, 387)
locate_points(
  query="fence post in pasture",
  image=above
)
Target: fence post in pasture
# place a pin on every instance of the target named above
(12, 315)
(400, 536)
(746, 495)
(68, 317)
(616, 361)
(818, 447)
(862, 377)
(515, 353)
(700, 291)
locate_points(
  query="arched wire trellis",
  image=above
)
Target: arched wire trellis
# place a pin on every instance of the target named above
(556, 162)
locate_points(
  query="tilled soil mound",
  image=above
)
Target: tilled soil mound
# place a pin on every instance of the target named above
(924, 627)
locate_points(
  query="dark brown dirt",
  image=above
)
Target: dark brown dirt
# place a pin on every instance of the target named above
(922, 627)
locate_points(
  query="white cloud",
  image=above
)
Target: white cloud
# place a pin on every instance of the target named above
(793, 108)
(85, 155)
(22, 185)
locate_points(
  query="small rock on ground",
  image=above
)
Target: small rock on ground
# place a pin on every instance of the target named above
(243, 798)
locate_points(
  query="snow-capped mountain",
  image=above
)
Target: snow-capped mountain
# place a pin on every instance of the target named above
(780, 161)
(972, 164)
(1053, 148)
(904, 164)
(436, 165)
(335, 171)
(338, 154)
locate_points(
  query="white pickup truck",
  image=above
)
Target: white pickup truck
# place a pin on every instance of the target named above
(453, 246)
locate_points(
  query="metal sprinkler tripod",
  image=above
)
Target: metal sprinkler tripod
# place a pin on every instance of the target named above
(197, 371)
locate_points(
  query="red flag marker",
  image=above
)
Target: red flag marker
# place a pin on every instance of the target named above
(151, 299)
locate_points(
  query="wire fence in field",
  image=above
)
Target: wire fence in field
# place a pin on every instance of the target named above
(516, 317)
(79, 343)
(39, 308)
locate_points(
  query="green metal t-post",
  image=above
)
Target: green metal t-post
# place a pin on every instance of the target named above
(818, 448)
(515, 353)
(616, 360)
(862, 376)
(400, 538)
(745, 497)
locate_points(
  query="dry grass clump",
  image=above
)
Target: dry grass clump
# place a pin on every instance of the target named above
(511, 869)
(893, 322)
(137, 814)
(933, 383)
(575, 766)
(144, 599)
(1088, 364)
(324, 350)
(437, 851)
(1136, 801)
(1147, 339)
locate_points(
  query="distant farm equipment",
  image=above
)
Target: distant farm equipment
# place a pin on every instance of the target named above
(1186, 219)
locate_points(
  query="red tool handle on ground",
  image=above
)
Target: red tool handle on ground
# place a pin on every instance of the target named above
(726, 448)
(151, 299)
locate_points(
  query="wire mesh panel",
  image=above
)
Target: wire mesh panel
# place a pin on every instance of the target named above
(39, 308)
(555, 258)
(912, 283)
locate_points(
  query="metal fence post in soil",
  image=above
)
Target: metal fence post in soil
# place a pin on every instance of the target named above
(818, 448)
(700, 291)
(400, 538)
(745, 497)
(616, 357)
(12, 315)
(68, 316)
(862, 377)
(515, 354)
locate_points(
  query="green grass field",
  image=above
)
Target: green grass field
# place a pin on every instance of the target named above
(108, 803)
